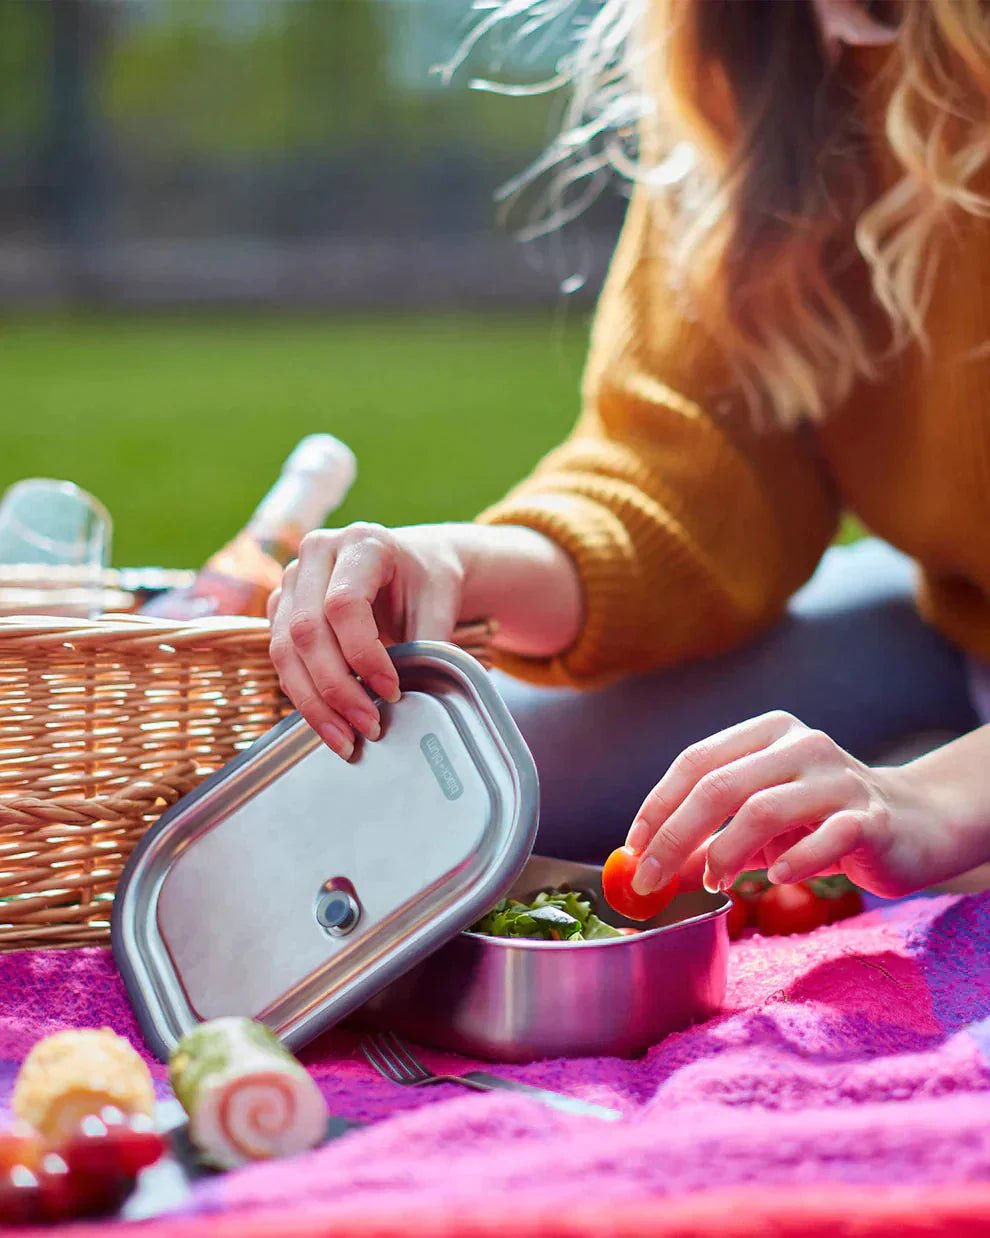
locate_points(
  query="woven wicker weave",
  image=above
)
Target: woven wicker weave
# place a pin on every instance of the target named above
(103, 725)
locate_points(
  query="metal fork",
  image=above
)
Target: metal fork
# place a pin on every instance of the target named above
(390, 1057)
(394, 1061)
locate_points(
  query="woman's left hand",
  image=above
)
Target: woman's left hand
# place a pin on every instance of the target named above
(799, 805)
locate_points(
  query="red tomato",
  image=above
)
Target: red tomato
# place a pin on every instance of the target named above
(20, 1145)
(617, 876)
(89, 1174)
(102, 1165)
(97, 1182)
(134, 1144)
(842, 899)
(787, 909)
(59, 1190)
(751, 885)
(738, 914)
(848, 903)
(20, 1196)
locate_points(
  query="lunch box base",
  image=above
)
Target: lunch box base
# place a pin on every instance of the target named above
(516, 1000)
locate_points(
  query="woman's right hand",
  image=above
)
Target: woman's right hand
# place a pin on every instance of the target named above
(354, 591)
(350, 593)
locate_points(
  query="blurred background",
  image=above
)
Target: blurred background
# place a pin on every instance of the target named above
(225, 224)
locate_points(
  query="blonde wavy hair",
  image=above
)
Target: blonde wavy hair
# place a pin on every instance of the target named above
(759, 161)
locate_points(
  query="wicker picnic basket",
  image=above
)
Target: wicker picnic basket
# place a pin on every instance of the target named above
(103, 725)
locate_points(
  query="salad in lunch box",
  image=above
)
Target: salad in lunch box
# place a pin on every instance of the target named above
(568, 915)
(553, 915)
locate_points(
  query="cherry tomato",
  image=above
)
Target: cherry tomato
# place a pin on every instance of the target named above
(787, 909)
(97, 1182)
(20, 1196)
(59, 1191)
(89, 1174)
(100, 1195)
(750, 885)
(19, 1145)
(627, 932)
(99, 1164)
(849, 903)
(738, 914)
(89, 1151)
(842, 899)
(132, 1141)
(617, 875)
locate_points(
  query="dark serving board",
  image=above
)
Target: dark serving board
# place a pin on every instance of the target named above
(167, 1185)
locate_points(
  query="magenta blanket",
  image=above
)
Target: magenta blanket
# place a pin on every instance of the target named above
(857, 1056)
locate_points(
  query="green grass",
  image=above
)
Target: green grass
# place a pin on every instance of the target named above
(179, 424)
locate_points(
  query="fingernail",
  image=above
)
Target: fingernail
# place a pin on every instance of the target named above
(709, 882)
(385, 688)
(648, 877)
(638, 836)
(338, 740)
(367, 724)
(780, 873)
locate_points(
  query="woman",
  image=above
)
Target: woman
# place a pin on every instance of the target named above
(795, 324)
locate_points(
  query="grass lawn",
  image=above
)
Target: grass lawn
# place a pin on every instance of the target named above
(179, 424)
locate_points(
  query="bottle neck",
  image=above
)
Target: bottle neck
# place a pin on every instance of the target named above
(283, 547)
(296, 504)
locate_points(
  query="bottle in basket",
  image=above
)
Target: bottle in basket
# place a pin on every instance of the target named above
(238, 579)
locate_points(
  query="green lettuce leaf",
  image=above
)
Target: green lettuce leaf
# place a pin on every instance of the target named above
(597, 930)
(553, 915)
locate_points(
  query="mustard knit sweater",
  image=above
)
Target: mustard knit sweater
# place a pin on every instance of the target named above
(691, 527)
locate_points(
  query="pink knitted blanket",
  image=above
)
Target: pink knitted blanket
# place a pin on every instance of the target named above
(848, 1074)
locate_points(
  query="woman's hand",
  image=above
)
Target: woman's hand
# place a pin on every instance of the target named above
(354, 591)
(799, 806)
(350, 593)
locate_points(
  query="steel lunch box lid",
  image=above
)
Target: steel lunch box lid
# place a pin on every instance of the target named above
(292, 887)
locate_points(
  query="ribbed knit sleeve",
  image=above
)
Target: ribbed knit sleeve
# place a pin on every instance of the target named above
(689, 524)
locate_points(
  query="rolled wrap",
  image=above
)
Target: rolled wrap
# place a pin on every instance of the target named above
(247, 1097)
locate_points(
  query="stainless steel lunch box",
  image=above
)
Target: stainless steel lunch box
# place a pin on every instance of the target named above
(292, 886)
(302, 891)
(518, 1000)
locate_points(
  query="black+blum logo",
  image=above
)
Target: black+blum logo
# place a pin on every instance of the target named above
(443, 771)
